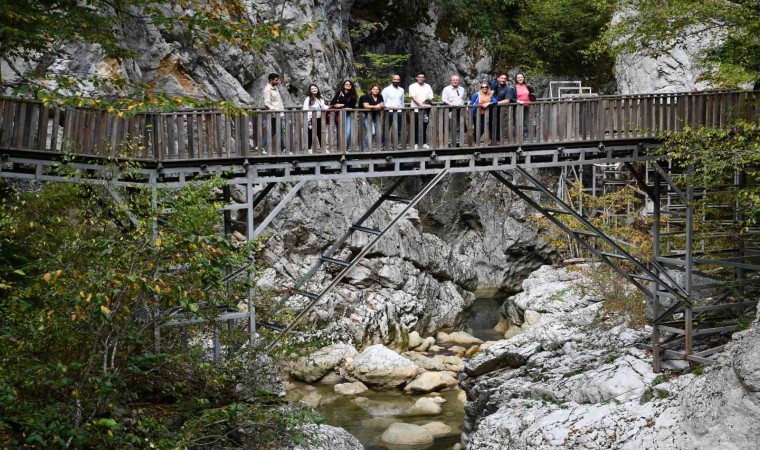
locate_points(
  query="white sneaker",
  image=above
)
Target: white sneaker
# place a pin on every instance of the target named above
(425, 146)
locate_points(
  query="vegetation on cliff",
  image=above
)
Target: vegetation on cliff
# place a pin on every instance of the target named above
(83, 290)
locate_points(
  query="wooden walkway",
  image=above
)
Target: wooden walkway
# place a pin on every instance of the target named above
(193, 137)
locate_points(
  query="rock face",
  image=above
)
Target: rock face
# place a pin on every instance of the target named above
(563, 383)
(411, 281)
(481, 219)
(406, 27)
(676, 71)
(381, 367)
(173, 65)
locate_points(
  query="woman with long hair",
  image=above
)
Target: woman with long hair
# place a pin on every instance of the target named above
(481, 101)
(345, 98)
(314, 102)
(374, 102)
(523, 94)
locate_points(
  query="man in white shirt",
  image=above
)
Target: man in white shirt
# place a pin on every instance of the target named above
(454, 95)
(393, 95)
(421, 95)
(273, 102)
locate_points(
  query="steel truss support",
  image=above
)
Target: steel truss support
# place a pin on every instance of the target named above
(716, 302)
(328, 257)
(660, 279)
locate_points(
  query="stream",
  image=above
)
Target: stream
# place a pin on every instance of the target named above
(368, 415)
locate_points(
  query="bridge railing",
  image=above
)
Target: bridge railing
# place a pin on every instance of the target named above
(209, 134)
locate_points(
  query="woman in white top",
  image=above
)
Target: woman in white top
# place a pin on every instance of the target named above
(314, 102)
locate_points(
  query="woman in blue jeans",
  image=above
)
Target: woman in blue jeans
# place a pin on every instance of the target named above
(345, 98)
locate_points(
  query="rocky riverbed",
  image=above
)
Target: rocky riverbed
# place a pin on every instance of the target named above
(388, 399)
(570, 378)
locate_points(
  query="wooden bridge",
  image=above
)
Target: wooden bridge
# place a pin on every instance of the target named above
(259, 149)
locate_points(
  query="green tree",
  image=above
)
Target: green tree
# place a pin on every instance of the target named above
(81, 297)
(374, 68)
(542, 36)
(729, 28)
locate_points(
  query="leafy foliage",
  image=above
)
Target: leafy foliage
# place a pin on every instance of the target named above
(543, 36)
(81, 298)
(656, 27)
(374, 68)
(711, 158)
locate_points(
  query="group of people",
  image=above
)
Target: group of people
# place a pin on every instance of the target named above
(391, 99)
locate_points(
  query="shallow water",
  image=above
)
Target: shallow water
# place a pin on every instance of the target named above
(368, 415)
(368, 418)
(484, 315)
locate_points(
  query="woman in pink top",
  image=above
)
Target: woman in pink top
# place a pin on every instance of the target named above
(523, 94)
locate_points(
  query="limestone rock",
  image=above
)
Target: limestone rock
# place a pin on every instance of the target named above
(429, 382)
(425, 406)
(414, 340)
(426, 345)
(438, 429)
(462, 338)
(350, 388)
(316, 365)
(407, 434)
(326, 437)
(379, 366)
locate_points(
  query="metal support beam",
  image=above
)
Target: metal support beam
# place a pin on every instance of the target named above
(121, 204)
(367, 248)
(285, 200)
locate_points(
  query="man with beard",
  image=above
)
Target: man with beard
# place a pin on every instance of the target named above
(502, 91)
(393, 95)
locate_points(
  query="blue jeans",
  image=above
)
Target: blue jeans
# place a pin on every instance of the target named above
(394, 117)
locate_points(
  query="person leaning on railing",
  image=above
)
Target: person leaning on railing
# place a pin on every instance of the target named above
(455, 96)
(314, 102)
(345, 98)
(482, 100)
(523, 94)
(375, 102)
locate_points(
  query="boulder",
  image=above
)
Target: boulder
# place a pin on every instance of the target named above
(458, 350)
(462, 338)
(331, 378)
(438, 429)
(451, 363)
(427, 344)
(425, 406)
(326, 437)
(429, 382)
(350, 388)
(382, 367)
(414, 340)
(312, 367)
(407, 434)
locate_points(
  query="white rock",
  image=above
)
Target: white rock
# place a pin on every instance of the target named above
(460, 337)
(380, 366)
(350, 388)
(425, 406)
(316, 365)
(429, 382)
(414, 340)
(407, 434)
(438, 429)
